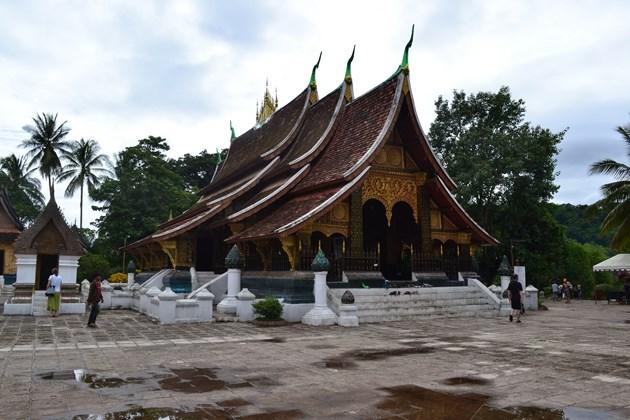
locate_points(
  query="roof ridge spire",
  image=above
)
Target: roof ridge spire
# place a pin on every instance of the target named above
(313, 82)
(404, 65)
(348, 76)
(232, 133)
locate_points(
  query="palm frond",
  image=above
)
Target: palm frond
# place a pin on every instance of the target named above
(610, 167)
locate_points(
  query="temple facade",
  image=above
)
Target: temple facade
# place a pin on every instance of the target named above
(353, 176)
(10, 228)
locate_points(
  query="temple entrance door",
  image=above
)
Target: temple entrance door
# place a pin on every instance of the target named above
(375, 230)
(45, 264)
(204, 254)
(401, 237)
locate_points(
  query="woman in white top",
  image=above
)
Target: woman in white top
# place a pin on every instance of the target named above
(54, 300)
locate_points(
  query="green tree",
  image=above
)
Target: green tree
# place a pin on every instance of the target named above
(24, 190)
(47, 141)
(84, 166)
(140, 195)
(91, 264)
(616, 199)
(196, 170)
(582, 222)
(505, 170)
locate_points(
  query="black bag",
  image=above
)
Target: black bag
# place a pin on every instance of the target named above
(50, 291)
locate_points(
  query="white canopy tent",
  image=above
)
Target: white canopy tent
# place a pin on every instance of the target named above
(618, 263)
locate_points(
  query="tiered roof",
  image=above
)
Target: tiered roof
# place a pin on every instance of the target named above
(312, 153)
(10, 225)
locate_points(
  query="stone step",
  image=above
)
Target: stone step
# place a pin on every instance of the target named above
(374, 319)
(425, 310)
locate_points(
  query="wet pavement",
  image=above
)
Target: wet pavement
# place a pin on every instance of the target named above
(571, 362)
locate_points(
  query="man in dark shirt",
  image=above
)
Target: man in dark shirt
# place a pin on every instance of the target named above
(95, 297)
(515, 291)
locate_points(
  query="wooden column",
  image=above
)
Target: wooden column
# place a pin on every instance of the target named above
(425, 219)
(356, 223)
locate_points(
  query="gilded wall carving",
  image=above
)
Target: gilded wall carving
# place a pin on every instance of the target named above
(390, 188)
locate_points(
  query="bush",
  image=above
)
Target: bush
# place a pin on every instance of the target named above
(91, 264)
(118, 278)
(268, 309)
(601, 290)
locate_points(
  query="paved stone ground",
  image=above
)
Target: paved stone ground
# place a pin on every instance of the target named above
(573, 356)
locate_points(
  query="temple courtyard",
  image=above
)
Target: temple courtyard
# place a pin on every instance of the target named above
(572, 361)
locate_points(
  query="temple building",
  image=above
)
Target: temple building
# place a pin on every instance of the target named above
(10, 228)
(353, 176)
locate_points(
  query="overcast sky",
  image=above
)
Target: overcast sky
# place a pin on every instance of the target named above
(119, 71)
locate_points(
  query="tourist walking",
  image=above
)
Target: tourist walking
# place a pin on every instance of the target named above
(555, 290)
(566, 290)
(626, 288)
(515, 291)
(53, 291)
(95, 297)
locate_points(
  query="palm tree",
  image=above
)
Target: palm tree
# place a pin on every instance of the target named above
(47, 140)
(616, 195)
(17, 173)
(84, 166)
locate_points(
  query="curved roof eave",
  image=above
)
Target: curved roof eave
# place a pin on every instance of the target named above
(313, 152)
(483, 234)
(437, 165)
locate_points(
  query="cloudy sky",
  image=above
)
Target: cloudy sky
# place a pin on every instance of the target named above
(119, 71)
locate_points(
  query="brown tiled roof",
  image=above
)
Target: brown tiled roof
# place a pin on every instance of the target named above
(297, 211)
(204, 209)
(267, 195)
(362, 125)
(263, 142)
(26, 242)
(10, 225)
(454, 211)
(316, 130)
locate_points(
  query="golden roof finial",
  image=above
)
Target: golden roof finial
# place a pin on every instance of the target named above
(267, 107)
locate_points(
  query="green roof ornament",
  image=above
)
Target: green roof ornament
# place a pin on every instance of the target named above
(505, 269)
(313, 83)
(233, 258)
(219, 157)
(320, 262)
(404, 65)
(348, 76)
(233, 134)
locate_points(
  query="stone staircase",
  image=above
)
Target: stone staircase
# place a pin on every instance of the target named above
(204, 277)
(379, 305)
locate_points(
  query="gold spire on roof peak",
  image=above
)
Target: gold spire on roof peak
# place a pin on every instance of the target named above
(268, 105)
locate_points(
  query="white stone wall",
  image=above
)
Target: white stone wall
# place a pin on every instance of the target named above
(68, 265)
(26, 268)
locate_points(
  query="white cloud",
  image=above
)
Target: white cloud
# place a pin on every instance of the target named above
(119, 70)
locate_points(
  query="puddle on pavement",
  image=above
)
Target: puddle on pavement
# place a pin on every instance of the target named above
(234, 402)
(336, 363)
(321, 346)
(411, 401)
(204, 411)
(184, 380)
(93, 380)
(347, 359)
(197, 380)
(466, 380)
